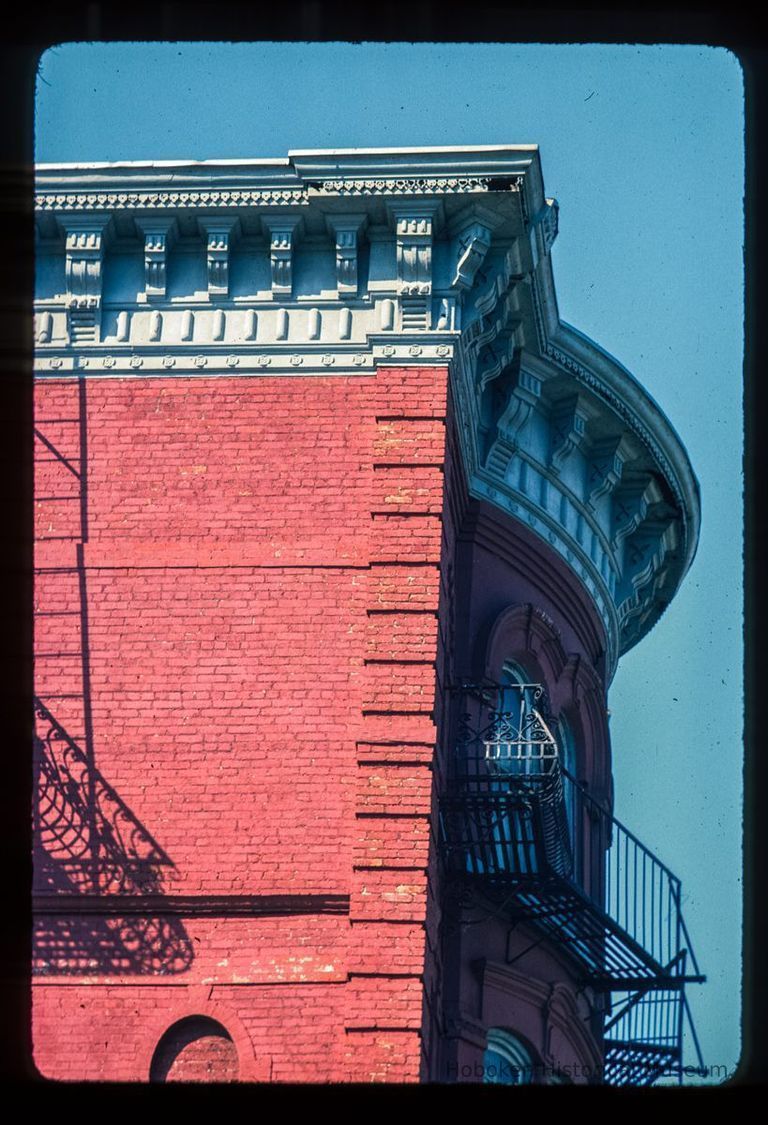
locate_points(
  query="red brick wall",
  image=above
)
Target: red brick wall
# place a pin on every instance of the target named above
(252, 569)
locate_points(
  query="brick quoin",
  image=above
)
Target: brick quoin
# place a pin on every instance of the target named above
(253, 565)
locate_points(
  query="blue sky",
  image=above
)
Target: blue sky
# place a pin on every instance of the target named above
(643, 147)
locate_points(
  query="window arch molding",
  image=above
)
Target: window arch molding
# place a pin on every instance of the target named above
(523, 635)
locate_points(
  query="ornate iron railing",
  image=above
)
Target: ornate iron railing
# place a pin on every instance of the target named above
(520, 826)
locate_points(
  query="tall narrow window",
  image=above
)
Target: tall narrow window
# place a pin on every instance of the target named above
(567, 749)
(518, 747)
(534, 821)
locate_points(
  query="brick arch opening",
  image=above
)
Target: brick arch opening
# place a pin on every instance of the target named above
(195, 1049)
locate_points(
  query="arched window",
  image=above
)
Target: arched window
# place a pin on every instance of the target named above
(527, 743)
(195, 1049)
(511, 828)
(507, 1061)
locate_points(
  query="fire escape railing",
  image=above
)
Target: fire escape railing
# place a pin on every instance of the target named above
(517, 825)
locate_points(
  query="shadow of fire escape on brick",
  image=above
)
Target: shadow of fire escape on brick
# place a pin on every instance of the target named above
(95, 865)
(97, 869)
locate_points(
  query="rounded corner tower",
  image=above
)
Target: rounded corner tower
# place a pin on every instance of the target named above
(341, 532)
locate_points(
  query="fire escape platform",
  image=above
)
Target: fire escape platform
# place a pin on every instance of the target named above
(521, 833)
(608, 957)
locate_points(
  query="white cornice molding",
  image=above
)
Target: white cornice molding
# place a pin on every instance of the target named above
(143, 185)
(434, 255)
(211, 359)
(599, 371)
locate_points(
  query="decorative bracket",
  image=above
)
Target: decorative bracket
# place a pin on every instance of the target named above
(512, 420)
(543, 230)
(473, 244)
(345, 229)
(506, 405)
(497, 356)
(84, 256)
(282, 231)
(158, 234)
(630, 505)
(568, 423)
(654, 536)
(522, 401)
(220, 234)
(605, 467)
(648, 555)
(495, 336)
(414, 224)
(84, 249)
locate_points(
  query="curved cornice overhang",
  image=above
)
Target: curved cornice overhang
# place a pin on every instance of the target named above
(613, 384)
(626, 396)
(553, 430)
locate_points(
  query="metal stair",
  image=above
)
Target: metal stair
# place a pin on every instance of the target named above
(519, 830)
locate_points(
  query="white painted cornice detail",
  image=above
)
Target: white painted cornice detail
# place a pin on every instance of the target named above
(346, 230)
(569, 428)
(143, 200)
(84, 248)
(414, 225)
(159, 232)
(299, 358)
(336, 261)
(282, 230)
(474, 244)
(288, 181)
(220, 232)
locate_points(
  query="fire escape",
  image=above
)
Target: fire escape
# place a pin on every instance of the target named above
(521, 831)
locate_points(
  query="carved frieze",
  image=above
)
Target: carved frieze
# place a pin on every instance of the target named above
(131, 200)
(431, 185)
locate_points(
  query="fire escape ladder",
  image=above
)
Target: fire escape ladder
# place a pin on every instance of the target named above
(519, 830)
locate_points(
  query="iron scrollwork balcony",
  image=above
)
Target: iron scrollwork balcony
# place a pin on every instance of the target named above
(523, 832)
